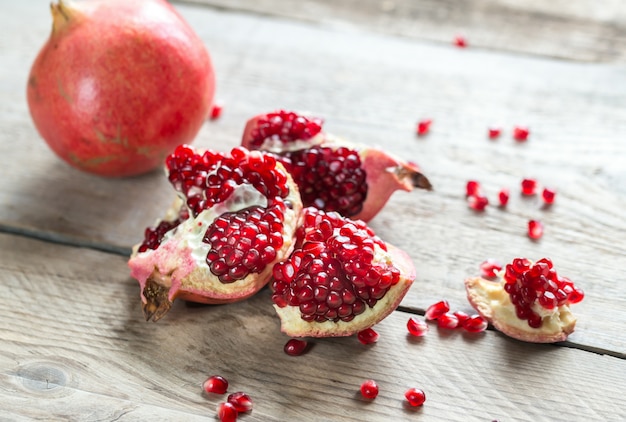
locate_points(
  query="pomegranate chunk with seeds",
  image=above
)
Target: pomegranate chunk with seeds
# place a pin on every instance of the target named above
(521, 133)
(417, 327)
(341, 278)
(530, 302)
(240, 401)
(369, 389)
(423, 127)
(535, 229)
(529, 187)
(548, 195)
(295, 347)
(215, 384)
(415, 397)
(435, 310)
(226, 412)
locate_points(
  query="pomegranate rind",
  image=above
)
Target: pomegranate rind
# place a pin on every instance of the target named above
(293, 325)
(494, 304)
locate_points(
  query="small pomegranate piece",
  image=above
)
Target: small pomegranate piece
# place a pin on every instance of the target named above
(494, 132)
(535, 229)
(226, 412)
(423, 127)
(475, 324)
(417, 327)
(368, 336)
(435, 310)
(548, 195)
(489, 268)
(472, 188)
(216, 111)
(215, 384)
(369, 389)
(460, 41)
(530, 302)
(521, 133)
(415, 397)
(240, 401)
(503, 197)
(478, 202)
(295, 347)
(341, 278)
(448, 321)
(332, 174)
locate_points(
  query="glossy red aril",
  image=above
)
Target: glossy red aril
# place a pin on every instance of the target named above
(461, 317)
(423, 127)
(448, 321)
(494, 132)
(240, 401)
(472, 188)
(503, 197)
(215, 384)
(521, 133)
(548, 195)
(332, 174)
(535, 229)
(119, 84)
(489, 268)
(235, 216)
(477, 202)
(475, 324)
(460, 41)
(216, 111)
(435, 310)
(226, 412)
(369, 389)
(368, 336)
(417, 327)
(295, 347)
(529, 186)
(415, 397)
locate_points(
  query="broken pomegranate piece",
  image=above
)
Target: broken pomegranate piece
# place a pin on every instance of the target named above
(530, 302)
(235, 216)
(332, 174)
(341, 278)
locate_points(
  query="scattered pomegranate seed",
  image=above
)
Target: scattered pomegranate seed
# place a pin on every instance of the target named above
(215, 384)
(472, 188)
(529, 187)
(417, 327)
(435, 310)
(423, 127)
(475, 324)
(494, 132)
(460, 41)
(535, 229)
(503, 197)
(216, 111)
(461, 317)
(368, 336)
(548, 195)
(226, 412)
(477, 202)
(448, 321)
(489, 268)
(369, 389)
(295, 347)
(240, 401)
(415, 396)
(520, 133)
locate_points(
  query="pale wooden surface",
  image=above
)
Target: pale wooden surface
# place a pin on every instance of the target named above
(71, 314)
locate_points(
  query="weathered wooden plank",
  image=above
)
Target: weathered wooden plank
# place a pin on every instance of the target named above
(573, 30)
(74, 346)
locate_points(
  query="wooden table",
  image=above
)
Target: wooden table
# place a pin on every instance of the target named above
(74, 344)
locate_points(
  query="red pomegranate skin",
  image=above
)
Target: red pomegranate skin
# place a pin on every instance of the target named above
(119, 84)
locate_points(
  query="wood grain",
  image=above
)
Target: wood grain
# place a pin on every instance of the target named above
(74, 346)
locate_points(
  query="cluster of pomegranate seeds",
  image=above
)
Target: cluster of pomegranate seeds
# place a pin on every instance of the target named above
(417, 327)
(415, 397)
(216, 111)
(521, 133)
(332, 276)
(369, 389)
(244, 242)
(539, 284)
(368, 336)
(423, 127)
(154, 235)
(295, 347)
(330, 179)
(440, 312)
(535, 229)
(236, 403)
(285, 126)
(489, 268)
(215, 384)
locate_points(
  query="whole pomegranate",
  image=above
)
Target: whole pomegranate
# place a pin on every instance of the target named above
(119, 84)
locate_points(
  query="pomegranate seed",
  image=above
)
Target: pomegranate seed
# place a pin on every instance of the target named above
(417, 327)
(295, 347)
(535, 229)
(415, 397)
(216, 111)
(548, 195)
(240, 401)
(472, 188)
(477, 202)
(529, 187)
(226, 412)
(423, 127)
(489, 268)
(461, 317)
(215, 384)
(435, 310)
(475, 324)
(494, 132)
(503, 197)
(448, 321)
(460, 41)
(368, 336)
(369, 389)
(521, 133)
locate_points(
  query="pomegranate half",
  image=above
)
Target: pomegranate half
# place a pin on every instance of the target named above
(119, 84)
(331, 173)
(235, 217)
